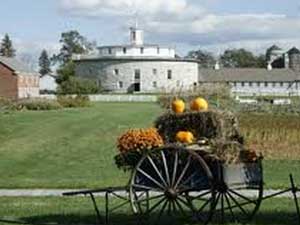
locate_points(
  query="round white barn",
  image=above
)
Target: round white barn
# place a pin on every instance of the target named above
(137, 67)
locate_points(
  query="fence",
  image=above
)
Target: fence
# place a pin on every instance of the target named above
(113, 98)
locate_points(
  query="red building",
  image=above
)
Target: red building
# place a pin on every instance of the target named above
(17, 80)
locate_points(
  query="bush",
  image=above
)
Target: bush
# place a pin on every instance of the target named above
(38, 104)
(73, 102)
(79, 86)
(7, 104)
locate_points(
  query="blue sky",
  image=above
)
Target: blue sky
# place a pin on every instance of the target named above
(187, 24)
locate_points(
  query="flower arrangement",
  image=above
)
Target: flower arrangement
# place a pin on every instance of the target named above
(139, 140)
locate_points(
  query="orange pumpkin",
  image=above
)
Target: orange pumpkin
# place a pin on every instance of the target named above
(185, 137)
(199, 104)
(178, 106)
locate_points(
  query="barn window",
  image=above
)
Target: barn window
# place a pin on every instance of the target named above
(243, 84)
(109, 51)
(154, 84)
(281, 84)
(116, 71)
(274, 84)
(154, 71)
(142, 50)
(124, 50)
(266, 84)
(137, 74)
(258, 84)
(169, 74)
(120, 84)
(250, 84)
(158, 50)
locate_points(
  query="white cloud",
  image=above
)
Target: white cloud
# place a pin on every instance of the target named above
(124, 7)
(187, 22)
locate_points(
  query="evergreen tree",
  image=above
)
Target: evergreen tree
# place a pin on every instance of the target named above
(44, 63)
(6, 48)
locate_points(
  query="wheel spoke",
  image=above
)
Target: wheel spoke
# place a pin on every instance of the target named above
(186, 204)
(157, 171)
(162, 210)
(243, 197)
(183, 172)
(229, 207)
(200, 195)
(156, 205)
(175, 167)
(166, 167)
(140, 186)
(204, 205)
(222, 208)
(180, 208)
(237, 204)
(150, 178)
(150, 198)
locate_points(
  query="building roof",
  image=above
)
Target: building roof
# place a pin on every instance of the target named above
(136, 46)
(16, 65)
(132, 58)
(294, 50)
(247, 74)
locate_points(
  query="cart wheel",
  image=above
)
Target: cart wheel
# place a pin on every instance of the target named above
(165, 180)
(236, 199)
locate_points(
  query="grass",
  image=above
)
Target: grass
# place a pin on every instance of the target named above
(67, 148)
(79, 210)
(74, 148)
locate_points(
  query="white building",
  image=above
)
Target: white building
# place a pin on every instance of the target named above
(48, 83)
(137, 67)
(140, 67)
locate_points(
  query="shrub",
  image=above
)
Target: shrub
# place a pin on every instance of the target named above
(7, 104)
(74, 102)
(79, 86)
(38, 104)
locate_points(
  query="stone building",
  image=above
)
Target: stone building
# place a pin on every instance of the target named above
(17, 80)
(140, 67)
(137, 67)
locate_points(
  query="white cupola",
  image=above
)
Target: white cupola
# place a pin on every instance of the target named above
(136, 36)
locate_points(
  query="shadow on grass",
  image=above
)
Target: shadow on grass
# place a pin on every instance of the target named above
(263, 218)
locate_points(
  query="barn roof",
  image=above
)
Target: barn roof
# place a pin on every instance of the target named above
(247, 74)
(16, 65)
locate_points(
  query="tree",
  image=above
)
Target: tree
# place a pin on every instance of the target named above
(270, 50)
(234, 58)
(206, 58)
(6, 48)
(44, 63)
(72, 43)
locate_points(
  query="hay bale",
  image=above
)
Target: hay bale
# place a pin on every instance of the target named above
(210, 124)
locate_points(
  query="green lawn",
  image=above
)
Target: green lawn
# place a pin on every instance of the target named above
(75, 148)
(78, 210)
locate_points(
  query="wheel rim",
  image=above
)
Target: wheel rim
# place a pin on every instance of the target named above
(238, 201)
(164, 181)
